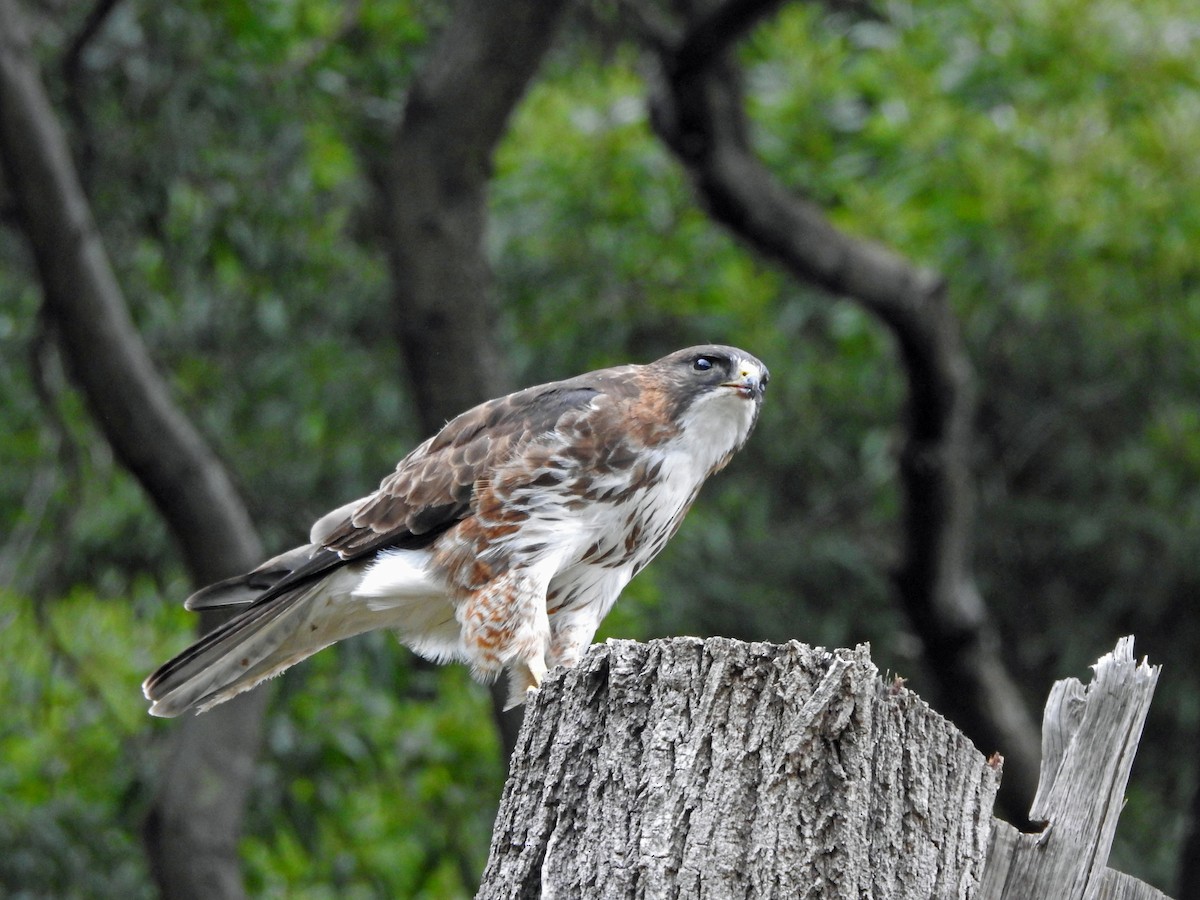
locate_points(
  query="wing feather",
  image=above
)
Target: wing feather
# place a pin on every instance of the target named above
(434, 486)
(431, 489)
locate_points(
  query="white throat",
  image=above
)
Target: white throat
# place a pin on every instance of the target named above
(714, 426)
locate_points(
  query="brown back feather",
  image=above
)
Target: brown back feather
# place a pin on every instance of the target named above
(434, 486)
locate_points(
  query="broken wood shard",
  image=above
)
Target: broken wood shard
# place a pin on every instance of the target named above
(1090, 735)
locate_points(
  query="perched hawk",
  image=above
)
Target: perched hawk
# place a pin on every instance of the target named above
(501, 541)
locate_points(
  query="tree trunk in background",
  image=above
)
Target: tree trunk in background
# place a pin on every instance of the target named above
(193, 829)
(698, 111)
(689, 768)
(434, 184)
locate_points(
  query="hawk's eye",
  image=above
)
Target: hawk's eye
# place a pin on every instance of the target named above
(703, 363)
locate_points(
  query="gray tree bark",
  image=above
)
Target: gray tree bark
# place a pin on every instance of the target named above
(193, 828)
(699, 112)
(689, 768)
(433, 181)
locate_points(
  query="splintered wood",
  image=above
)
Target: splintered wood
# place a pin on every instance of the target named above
(1090, 734)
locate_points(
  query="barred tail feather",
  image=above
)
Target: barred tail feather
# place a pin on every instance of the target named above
(273, 633)
(235, 656)
(304, 608)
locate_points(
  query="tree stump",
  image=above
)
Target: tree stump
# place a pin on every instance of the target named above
(689, 768)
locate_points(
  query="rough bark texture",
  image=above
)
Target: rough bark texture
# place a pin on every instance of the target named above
(689, 768)
(1089, 738)
(698, 111)
(434, 183)
(192, 830)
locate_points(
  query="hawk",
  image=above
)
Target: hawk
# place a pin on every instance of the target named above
(502, 541)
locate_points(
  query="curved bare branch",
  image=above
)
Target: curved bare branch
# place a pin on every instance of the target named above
(698, 111)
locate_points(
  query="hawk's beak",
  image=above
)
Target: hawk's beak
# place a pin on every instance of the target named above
(749, 382)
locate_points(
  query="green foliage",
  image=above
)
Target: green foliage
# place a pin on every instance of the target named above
(382, 779)
(73, 744)
(378, 778)
(599, 245)
(1049, 171)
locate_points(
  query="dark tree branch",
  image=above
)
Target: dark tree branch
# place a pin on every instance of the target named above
(128, 398)
(193, 828)
(72, 73)
(716, 27)
(72, 61)
(698, 111)
(434, 182)
(715, 30)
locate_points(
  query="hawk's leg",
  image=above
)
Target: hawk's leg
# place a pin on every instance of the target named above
(571, 634)
(505, 626)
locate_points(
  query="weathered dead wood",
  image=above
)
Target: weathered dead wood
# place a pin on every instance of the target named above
(1089, 738)
(689, 768)
(1119, 886)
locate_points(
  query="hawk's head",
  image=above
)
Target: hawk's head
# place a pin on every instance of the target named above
(715, 393)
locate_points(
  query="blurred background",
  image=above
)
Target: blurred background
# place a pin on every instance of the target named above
(244, 165)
